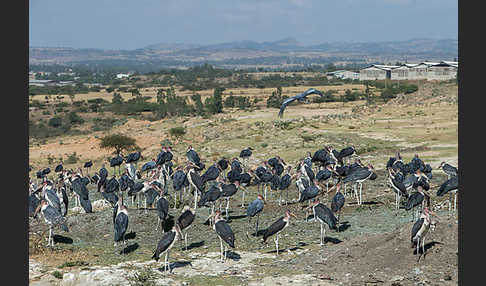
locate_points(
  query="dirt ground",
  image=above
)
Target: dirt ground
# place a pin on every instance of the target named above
(373, 247)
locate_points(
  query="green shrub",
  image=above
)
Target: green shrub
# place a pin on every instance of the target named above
(55, 122)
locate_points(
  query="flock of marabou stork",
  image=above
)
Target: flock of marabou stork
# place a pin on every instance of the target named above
(193, 186)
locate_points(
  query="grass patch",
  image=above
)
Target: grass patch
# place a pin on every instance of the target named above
(143, 277)
(214, 280)
(57, 274)
(73, 264)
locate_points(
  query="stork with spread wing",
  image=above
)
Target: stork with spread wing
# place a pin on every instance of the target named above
(300, 97)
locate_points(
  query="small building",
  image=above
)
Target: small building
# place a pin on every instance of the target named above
(343, 74)
(40, 82)
(376, 72)
(122, 75)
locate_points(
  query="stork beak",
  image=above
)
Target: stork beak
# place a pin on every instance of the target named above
(291, 214)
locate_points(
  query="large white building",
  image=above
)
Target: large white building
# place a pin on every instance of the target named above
(444, 70)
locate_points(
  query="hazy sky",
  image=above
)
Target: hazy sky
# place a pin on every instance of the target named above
(122, 24)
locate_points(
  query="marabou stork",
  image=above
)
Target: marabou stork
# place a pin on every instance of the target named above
(254, 209)
(285, 182)
(337, 202)
(227, 191)
(309, 192)
(397, 186)
(179, 182)
(223, 165)
(358, 177)
(245, 180)
(448, 169)
(185, 220)
(195, 181)
(224, 232)
(449, 186)
(116, 161)
(110, 197)
(345, 153)
(165, 244)
(120, 222)
(52, 217)
(211, 196)
(162, 211)
(192, 156)
(418, 198)
(324, 215)
(235, 165)
(300, 97)
(277, 227)
(211, 174)
(421, 228)
(245, 154)
(58, 168)
(88, 165)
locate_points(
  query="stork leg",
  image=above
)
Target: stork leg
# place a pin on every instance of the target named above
(256, 230)
(287, 196)
(338, 224)
(360, 197)
(265, 191)
(227, 207)
(221, 249)
(175, 201)
(158, 221)
(276, 242)
(322, 242)
(195, 198)
(280, 198)
(166, 262)
(185, 239)
(49, 239)
(243, 197)
(455, 201)
(418, 245)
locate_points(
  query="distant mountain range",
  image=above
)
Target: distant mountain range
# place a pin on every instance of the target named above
(241, 54)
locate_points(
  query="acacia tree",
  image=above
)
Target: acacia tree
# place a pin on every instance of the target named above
(118, 142)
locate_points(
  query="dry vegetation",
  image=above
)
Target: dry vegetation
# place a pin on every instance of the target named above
(425, 123)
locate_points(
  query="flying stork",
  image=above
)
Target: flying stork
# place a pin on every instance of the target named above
(277, 227)
(324, 215)
(300, 97)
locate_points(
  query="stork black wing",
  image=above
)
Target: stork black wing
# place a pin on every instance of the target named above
(326, 215)
(447, 186)
(254, 207)
(164, 243)
(414, 200)
(225, 232)
(121, 225)
(162, 208)
(86, 204)
(275, 227)
(285, 182)
(416, 227)
(284, 105)
(185, 219)
(337, 202)
(65, 201)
